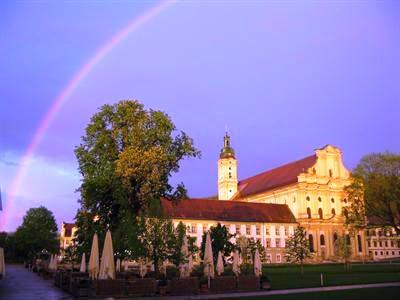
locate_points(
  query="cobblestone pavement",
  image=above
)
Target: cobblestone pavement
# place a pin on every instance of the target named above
(22, 284)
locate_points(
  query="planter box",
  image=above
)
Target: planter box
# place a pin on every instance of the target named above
(141, 287)
(248, 283)
(184, 286)
(107, 287)
(223, 284)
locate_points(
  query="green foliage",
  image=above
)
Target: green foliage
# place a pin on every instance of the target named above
(342, 249)
(379, 174)
(354, 213)
(297, 247)
(126, 159)
(254, 244)
(220, 241)
(37, 232)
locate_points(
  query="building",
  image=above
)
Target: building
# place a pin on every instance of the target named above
(67, 235)
(382, 241)
(268, 206)
(271, 224)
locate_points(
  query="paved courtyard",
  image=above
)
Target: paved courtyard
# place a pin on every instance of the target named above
(22, 284)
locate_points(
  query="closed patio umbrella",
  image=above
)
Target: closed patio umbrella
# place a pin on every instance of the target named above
(107, 266)
(118, 265)
(82, 269)
(208, 260)
(94, 258)
(2, 264)
(257, 264)
(51, 263)
(220, 264)
(55, 262)
(235, 265)
(142, 268)
(184, 267)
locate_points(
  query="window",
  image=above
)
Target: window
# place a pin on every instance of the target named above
(392, 252)
(278, 258)
(314, 171)
(311, 242)
(359, 243)
(322, 240)
(332, 200)
(333, 212)
(286, 231)
(193, 229)
(267, 230)
(335, 237)
(269, 258)
(380, 244)
(367, 232)
(308, 198)
(230, 175)
(205, 228)
(345, 213)
(373, 233)
(330, 173)
(248, 231)
(278, 243)
(276, 230)
(375, 244)
(381, 252)
(268, 243)
(369, 244)
(319, 199)
(258, 230)
(392, 243)
(379, 233)
(376, 252)
(308, 212)
(386, 243)
(321, 216)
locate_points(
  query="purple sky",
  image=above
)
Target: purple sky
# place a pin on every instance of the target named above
(285, 77)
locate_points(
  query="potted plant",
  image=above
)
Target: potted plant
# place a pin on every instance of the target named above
(204, 284)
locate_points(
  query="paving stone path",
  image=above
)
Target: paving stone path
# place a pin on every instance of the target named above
(22, 284)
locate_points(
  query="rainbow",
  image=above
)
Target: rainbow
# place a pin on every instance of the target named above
(63, 96)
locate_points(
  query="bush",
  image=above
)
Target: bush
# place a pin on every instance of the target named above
(228, 271)
(247, 269)
(172, 272)
(203, 280)
(198, 270)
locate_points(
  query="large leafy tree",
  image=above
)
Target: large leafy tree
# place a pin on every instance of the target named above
(298, 247)
(342, 248)
(126, 159)
(37, 232)
(220, 241)
(377, 182)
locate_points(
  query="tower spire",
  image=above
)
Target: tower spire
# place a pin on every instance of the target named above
(227, 151)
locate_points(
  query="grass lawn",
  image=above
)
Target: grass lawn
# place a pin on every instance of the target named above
(289, 276)
(387, 293)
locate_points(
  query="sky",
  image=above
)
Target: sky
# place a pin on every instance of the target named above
(285, 77)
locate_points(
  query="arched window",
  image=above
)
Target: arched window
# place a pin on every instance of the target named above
(309, 212)
(320, 213)
(330, 173)
(334, 237)
(308, 198)
(359, 243)
(314, 171)
(332, 200)
(311, 242)
(322, 240)
(319, 199)
(348, 239)
(333, 212)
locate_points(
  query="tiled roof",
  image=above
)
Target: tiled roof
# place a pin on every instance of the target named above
(222, 210)
(278, 177)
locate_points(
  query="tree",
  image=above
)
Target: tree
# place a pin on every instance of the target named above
(342, 247)
(256, 244)
(37, 232)
(379, 176)
(354, 213)
(220, 241)
(242, 244)
(126, 159)
(298, 247)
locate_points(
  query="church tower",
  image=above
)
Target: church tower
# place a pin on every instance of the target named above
(227, 171)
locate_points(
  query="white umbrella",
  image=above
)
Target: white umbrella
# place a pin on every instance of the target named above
(208, 260)
(107, 266)
(184, 267)
(83, 264)
(235, 265)
(51, 263)
(257, 264)
(220, 264)
(190, 264)
(2, 264)
(118, 266)
(142, 268)
(55, 262)
(94, 258)
(125, 265)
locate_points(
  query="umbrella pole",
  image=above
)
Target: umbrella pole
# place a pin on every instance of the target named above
(209, 270)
